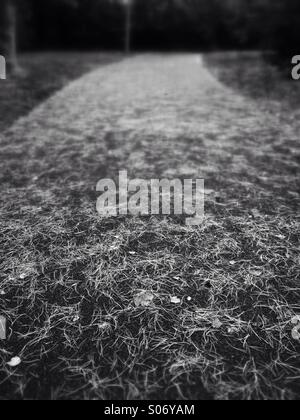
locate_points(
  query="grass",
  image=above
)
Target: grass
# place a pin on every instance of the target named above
(261, 76)
(69, 281)
(42, 75)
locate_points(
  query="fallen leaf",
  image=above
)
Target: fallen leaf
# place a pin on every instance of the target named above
(2, 293)
(255, 273)
(15, 361)
(296, 320)
(143, 299)
(232, 330)
(23, 276)
(217, 323)
(255, 213)
(104, 326)
(296, 333)
(175, 300)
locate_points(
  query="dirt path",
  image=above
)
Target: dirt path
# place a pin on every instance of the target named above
(69, 278)
(156, 115)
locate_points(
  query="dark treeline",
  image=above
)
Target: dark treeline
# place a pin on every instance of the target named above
(157, 24)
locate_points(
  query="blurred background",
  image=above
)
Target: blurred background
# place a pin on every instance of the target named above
(47, 43)
(155, 24)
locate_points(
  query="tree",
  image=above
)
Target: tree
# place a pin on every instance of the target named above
(285, 33)
(9, 33)
(9, 28)
(128, 25)
(155, 24)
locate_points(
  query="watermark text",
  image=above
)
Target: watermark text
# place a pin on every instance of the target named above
(139, 197)
(296, 67)
(2, 68)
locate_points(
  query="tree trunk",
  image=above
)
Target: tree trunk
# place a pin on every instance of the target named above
(9, 34)
(128, 26)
